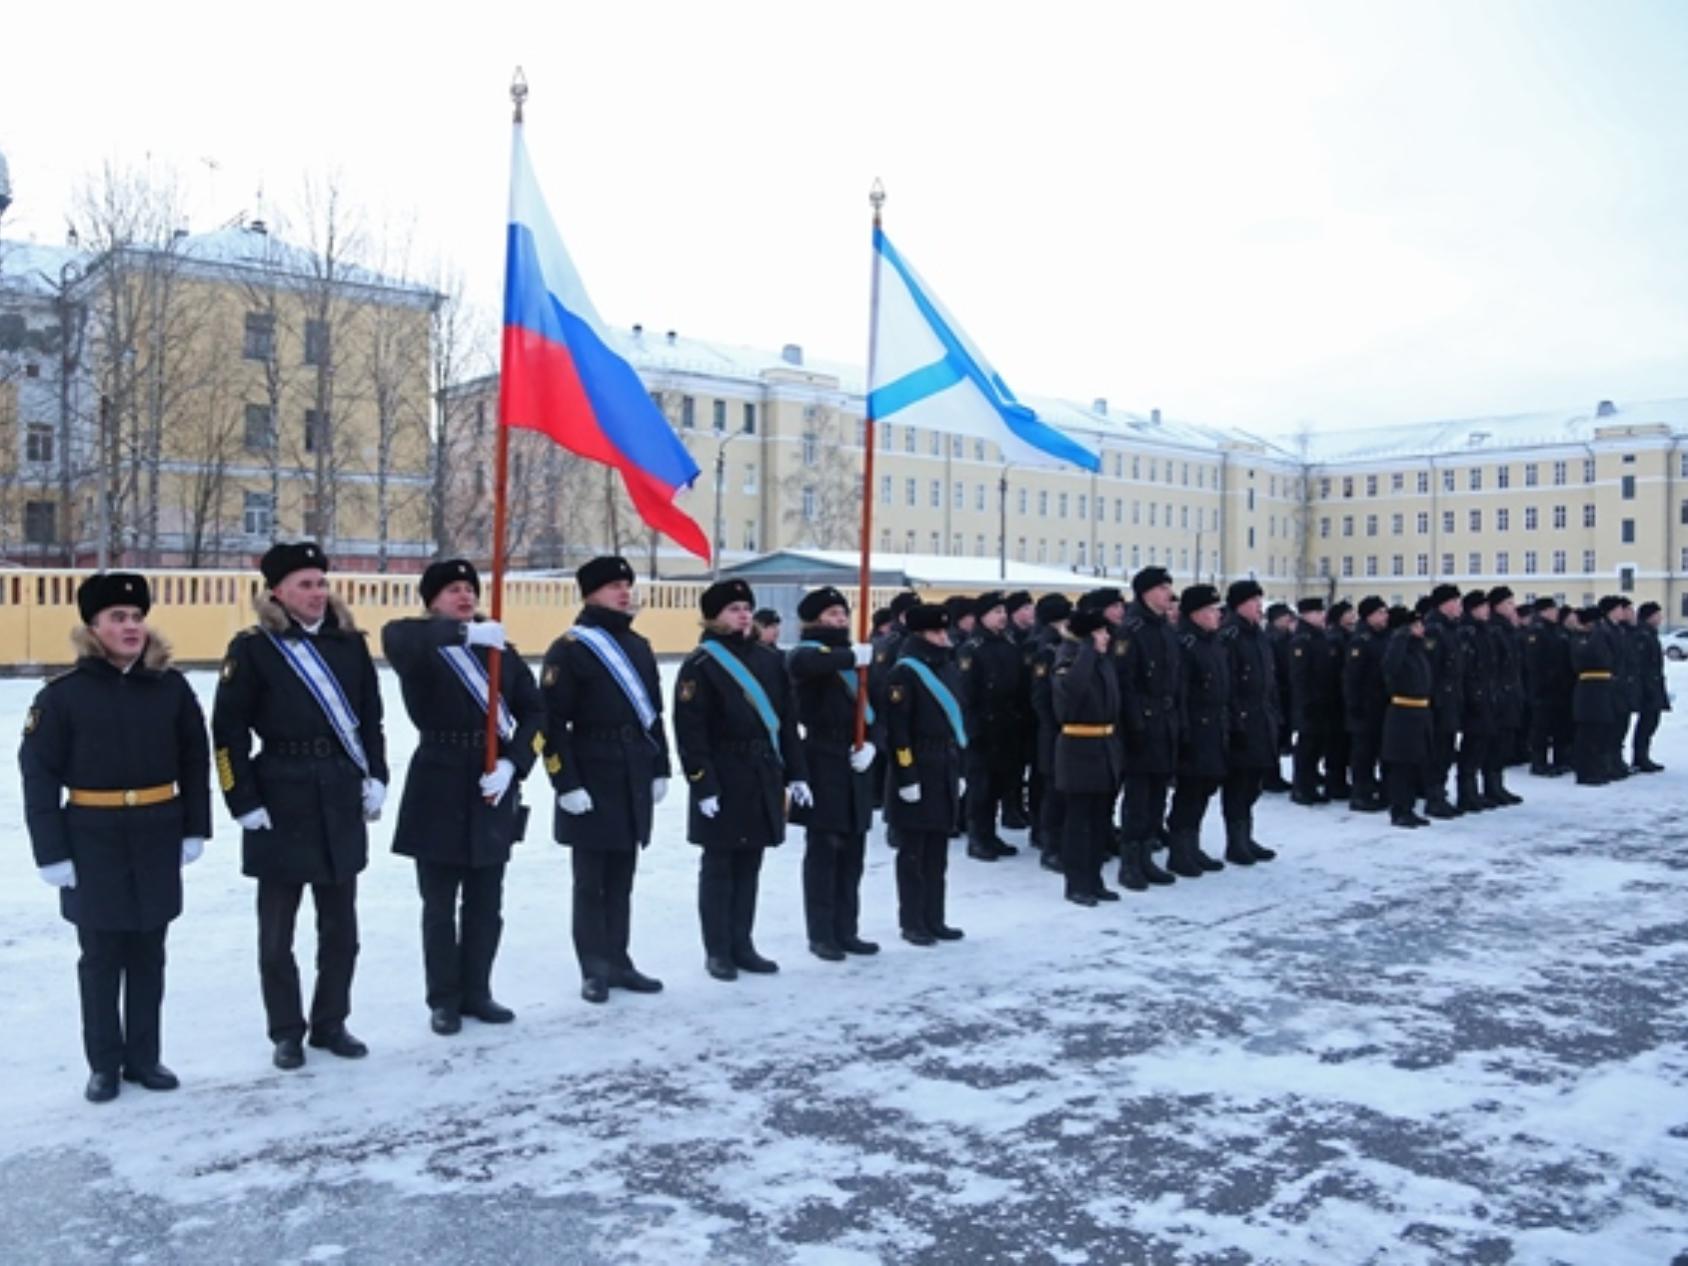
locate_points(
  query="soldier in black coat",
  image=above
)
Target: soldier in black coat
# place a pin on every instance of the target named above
(887, 645)
(1547, 649)
(1654, 694)
(1207, 728)
(1152, 717)
(1408, 721)
(455, 819)
(1447, 700)
(117, 799)
(1627, 679)
(1020, 808)
(1315, 697)
(824, 680)
(1595, 706)
(302, 681)
(1088, 758)
(1053, 612)
(1506, 696)
(735, 723)
(1341, 622)
(607, 758)
(1477, 700)
(989, 668)
(1364, 701)
(1280, 629)
(927, 737)
(1251, 748)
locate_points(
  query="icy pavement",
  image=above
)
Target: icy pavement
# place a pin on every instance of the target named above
(1462, 1044)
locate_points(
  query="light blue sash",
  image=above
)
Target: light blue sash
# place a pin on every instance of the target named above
(473, 676)
(847, 676)
(942, 694)
(620, 669)
(307, 662)
(752, 690)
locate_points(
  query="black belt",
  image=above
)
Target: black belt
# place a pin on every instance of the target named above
(317, 748)
(608, 733)
(453, 738)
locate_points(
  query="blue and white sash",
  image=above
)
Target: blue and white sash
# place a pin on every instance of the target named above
(942, 694)
(752, 691)
(307, 662)
(846, 675)
(620, 669)
(472, 674)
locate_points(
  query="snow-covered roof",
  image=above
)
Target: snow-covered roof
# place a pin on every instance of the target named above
(1482, 435)
(35, 269)
(915, 569)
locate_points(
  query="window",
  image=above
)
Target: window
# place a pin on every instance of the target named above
(1397, 482)
(259, 343)
(808, 506)
(40, 522)
(1251, 498)
(1043, 505)
(1588, 515)
(718, 415)
(1629, 487)
(1423, 482)
(1154, 470)
(1397, 524)
(1503, 476)
(909, 438)
(1530, 562)
(316, 342)
(750, 424)
(934, 544)
(1397, 565)
(1083, 506)
(1530, 519)
(1371, 485)
(1184, 475)
(1447, 481)
(1251, 538)
(1081, 559)
(1626, 579)
(958, 498)
(1023, 500)
(1447, 564)
(1324, 487)
(1559, 518)
(1324, 523)
(750, 482)
(885, 489)
(1503, 563)
(1348, 525)
(1476, 480)
(1589, 562)
(1558, 562)
(1475, 520)
(1424, 523)
(1588, 470)
(1324, 565)
(1154, 513)
(316, 430)
(978, 496)
(1531, 474)
(260, 427)
(1559, 474)
(937, 444)
(688, 412)
(1447, 522)
(1473, 563)
(1061, 505)
(912, 489)
(937, 496)
(1347, 565)
(1627, 531)
(1371, 564)
(1136, 557)
(38, 442)
(811, 448)
(1137, 512)
(1423, 561)
(749, 537)
(1371, 525)
(1347, 489)
(1101, 509)
(312, 519)
(1503, 519)
(1183, 515)
(1136, 467)
(979, 452)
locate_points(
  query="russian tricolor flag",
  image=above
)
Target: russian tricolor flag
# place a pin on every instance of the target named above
(562, 377)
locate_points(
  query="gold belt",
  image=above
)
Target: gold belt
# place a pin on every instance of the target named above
(132, 799)
(1594, 676)
(1088, 731)
(1408, 701)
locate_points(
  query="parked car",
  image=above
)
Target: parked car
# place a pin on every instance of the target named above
(1676, 644)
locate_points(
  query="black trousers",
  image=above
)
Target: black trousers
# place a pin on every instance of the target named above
(991, 780)
(832, 881)
(1143, 807)
(460, 942)
(727, 881)
(1474, 752)
(1189, 802)
(1052, 816)
(1363, 752)
(121, 980)
(1035, 792)
(1238, 793)
(337, 952)
(1310, 752)
(1646, 725)
(603, 909)
(1550, 736)
(1088, 821)
(1442, 753)
(1338, 754)
(922, 863)
(1401, 781)
(1615, 736)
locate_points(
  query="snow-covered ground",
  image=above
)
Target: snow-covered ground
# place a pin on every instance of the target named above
(1463, 1044)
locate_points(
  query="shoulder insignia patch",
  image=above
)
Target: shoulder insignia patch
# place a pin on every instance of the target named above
(228, 668)
(31, 719)
(550, 677)
(896, 694)
(905, 756)
(688, 689)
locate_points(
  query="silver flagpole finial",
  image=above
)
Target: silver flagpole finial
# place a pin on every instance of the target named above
(518, 92)
(876, 196)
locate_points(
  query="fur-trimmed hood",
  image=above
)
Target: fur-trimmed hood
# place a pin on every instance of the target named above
(273, 617)
(155, 658)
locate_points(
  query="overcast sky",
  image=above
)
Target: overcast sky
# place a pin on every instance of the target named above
(1254, 214)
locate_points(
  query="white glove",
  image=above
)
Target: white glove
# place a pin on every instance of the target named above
(801, 796)
(484, 633)
(909, 794)
(861, 760)
(495, 784)
(192, 847)
(709, 806)
(60, 874)
(960, 787)
(659, 789)
(374, 796)
(864, 654)
(256, 819)
(575, 802)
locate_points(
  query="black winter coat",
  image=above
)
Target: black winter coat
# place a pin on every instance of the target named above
(1281, 657)
(924, 750)
(443, 816)
(1255, 719)
(1408, 731)
(1655, 695)
(314, 797)
(991, 668)
(726, 749)
(1547, 648)
(1441, 642)
(1207, 704)
(595, 741)
(1595, 699)
(1477, 676)
(1364, 699)
(97, 728)
(826, 711)
(1315, 681)
(1627, 670)
(1084, 691)
(1042, 693)
(1507, 688)
(1151, 685)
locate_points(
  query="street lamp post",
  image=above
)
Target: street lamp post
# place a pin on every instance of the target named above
(720, 484)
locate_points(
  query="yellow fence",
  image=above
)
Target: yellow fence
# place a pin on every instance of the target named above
(200, 611)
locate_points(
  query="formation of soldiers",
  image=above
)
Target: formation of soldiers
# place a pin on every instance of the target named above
(1105, 727)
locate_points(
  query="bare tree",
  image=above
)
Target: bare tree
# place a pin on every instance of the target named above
(822, 496)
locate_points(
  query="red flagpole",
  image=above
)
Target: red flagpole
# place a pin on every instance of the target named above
(500, 489)
(863, 617)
